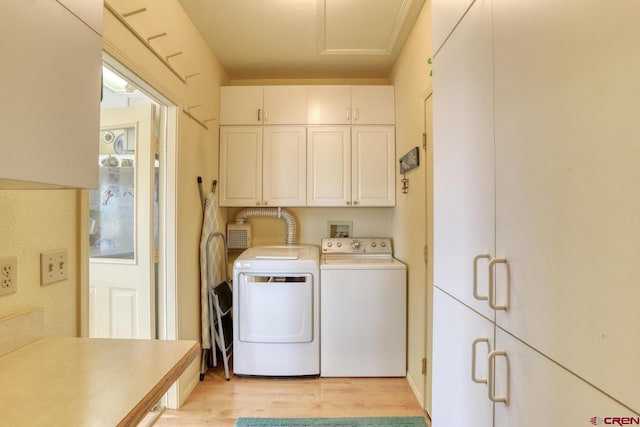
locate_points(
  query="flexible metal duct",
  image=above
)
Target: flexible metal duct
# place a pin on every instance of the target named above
(280, 213)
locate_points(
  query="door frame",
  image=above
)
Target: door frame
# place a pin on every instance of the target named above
(167, 307)
(428, 176)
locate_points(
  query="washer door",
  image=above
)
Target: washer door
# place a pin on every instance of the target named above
(275, 309)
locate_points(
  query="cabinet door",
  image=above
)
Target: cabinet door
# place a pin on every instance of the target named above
(89, 11)
(567, 184)
(373, 166)
(543, 393)
(445, 15)
(241, 105)
(284, 161)
(240, 166)
(285, 105)
(328, 105)
(372, 105)
(328, 166)
(50, 96)
(463, 158)
(457, 399)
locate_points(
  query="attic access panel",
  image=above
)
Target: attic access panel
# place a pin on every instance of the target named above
(361, 26)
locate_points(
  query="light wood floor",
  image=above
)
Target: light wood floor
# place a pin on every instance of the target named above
(217, 402)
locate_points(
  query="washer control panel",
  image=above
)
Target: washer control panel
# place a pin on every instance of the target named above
(356, 246)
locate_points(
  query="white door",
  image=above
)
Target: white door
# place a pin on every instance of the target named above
(284, 164)
(240, 166)
(428, 150)
(373, 150)
(457, 399)
(542, 393)
(328, 105)
(372, 105)
(121, 297)
(567, 184)
(241, 105)
(285, 105)
(328, 166)
(463, 164)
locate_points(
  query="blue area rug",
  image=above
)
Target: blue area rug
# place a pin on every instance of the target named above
(332, 422)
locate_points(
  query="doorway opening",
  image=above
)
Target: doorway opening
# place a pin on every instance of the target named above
(131, 291)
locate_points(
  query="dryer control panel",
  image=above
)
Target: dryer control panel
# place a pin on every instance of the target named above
(357, 246)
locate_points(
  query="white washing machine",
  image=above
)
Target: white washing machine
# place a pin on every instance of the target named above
(363, 309)
(276, 311)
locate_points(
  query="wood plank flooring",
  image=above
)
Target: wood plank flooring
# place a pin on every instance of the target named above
(217, 402)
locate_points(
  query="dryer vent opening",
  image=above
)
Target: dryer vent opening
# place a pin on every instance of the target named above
(280, 213)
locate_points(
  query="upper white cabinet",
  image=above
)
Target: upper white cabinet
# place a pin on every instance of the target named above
(350, 166)
(449, 13)
(268, 105)
(88, 11)
(363, 105)
(51, 65)
(262, 166)
(320, 165)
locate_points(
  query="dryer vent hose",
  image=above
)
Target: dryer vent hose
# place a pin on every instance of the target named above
(283, 214)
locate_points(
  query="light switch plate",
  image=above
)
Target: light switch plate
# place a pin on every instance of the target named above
(53, 266)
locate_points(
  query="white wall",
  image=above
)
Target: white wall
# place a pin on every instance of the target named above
(410, 76)
(197, 150)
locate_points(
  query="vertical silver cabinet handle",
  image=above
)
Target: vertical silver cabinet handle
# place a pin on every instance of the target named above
(492, 386)
(492, 285)
(259, 114)
(266, 114)
(476, 295)
(473, 359)
(356, 114)
(348, 114)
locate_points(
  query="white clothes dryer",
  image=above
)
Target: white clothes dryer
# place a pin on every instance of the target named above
(276, 311)
(363, 309)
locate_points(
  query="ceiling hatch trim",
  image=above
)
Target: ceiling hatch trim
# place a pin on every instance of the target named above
(330, 29)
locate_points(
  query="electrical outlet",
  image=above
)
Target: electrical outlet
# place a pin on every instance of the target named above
(53, 266)
(8, 275)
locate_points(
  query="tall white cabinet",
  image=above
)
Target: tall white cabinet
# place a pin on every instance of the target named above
(535, 163)
(50, 110)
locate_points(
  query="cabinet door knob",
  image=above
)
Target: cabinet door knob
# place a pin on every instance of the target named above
(257, 203)
(348, 203)
(356, 202)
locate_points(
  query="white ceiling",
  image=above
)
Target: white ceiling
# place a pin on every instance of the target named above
(304, 39)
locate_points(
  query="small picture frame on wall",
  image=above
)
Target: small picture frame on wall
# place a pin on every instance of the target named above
(410, 161)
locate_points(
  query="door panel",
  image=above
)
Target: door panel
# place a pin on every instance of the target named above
(543, 393)
(457, 400)
(567, 173)
(240, 165)
(121, 229)
(284, 163)
(328, 166)
(463, 159)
